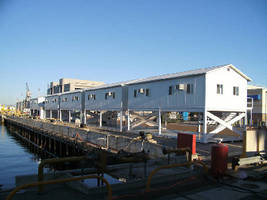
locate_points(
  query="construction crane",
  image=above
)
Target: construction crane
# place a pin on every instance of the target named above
(28, 93)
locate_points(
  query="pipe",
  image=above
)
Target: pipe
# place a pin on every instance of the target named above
(186, 150)
(53, 161)
(13, 192)
(188, 164)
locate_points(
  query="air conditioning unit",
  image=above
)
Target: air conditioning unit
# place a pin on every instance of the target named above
(180, 86)
(141, 90)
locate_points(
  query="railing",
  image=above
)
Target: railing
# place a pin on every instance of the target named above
(53, 161)
(187, 164)
(249, 103)
(13, 192)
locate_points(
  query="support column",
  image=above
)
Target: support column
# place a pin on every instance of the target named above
(121, 118)
(84, 117)
(204, 131)
(50, 114)
(199, 122)
(69, 116)
(60, 115)
(129, 121)
(246, 120)
(100, 118)
(159, 121)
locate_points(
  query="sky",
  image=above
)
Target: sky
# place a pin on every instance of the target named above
(119, 40)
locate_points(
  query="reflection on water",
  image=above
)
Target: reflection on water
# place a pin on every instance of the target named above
(15, 159)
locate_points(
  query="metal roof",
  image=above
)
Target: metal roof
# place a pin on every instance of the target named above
(110, 85)
(185, 74)
(163, 77)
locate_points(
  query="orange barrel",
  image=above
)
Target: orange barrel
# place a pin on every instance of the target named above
(219, 156)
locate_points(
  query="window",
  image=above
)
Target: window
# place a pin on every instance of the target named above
(110, 94)
(141, 90)
(91, 96)
(219, 89)
(235, 91)
(75, 98)
(170, 90)
(65, 99)
(147, 92)
(135, 93)
(189, 88)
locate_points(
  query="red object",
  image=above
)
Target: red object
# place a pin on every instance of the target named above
(187, 140)
(219, 156)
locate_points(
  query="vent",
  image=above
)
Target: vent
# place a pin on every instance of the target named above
(180, 87)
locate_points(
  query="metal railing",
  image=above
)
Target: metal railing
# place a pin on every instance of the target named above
(187, 164)
(13, 192)
(54, 161)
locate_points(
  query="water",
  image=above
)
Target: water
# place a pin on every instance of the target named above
(15, 159)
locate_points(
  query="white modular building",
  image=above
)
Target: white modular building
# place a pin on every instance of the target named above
(37, 107)
(108, 97)
(218, 93)
(70, 102)
(52, 105)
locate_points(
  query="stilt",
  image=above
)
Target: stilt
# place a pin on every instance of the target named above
(121, 118)
(159, 121)
(129, 121)
(100, 118)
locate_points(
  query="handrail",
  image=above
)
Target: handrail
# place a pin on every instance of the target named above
(53, 161)
(186, 150)
(13, 192)
(188, 164)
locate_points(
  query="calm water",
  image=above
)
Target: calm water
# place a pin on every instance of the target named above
(15, 159)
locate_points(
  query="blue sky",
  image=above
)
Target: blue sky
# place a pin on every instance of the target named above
(116, 40)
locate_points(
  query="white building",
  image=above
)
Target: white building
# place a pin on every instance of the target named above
(218, 94)
(258, 95)
(70, 102)
(52, 103)
(109, 97)
(37, 107)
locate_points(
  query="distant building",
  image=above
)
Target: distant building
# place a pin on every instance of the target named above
(67, 84)
(259, 97)
(37, 107)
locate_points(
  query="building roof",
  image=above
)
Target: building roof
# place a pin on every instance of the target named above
(110, 85)
(253, 87)
(187, 73)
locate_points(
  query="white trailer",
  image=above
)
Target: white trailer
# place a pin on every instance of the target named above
(52, 103)
(70, 102)
(37, 107)
(108, 97)
(219, 93)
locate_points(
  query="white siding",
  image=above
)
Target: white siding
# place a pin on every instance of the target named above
(36, 102)
(50, 103)
(226, 101)
(71, 103)
(159, 96)
(100, 103)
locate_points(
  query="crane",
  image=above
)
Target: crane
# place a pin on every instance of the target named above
(28, 93)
